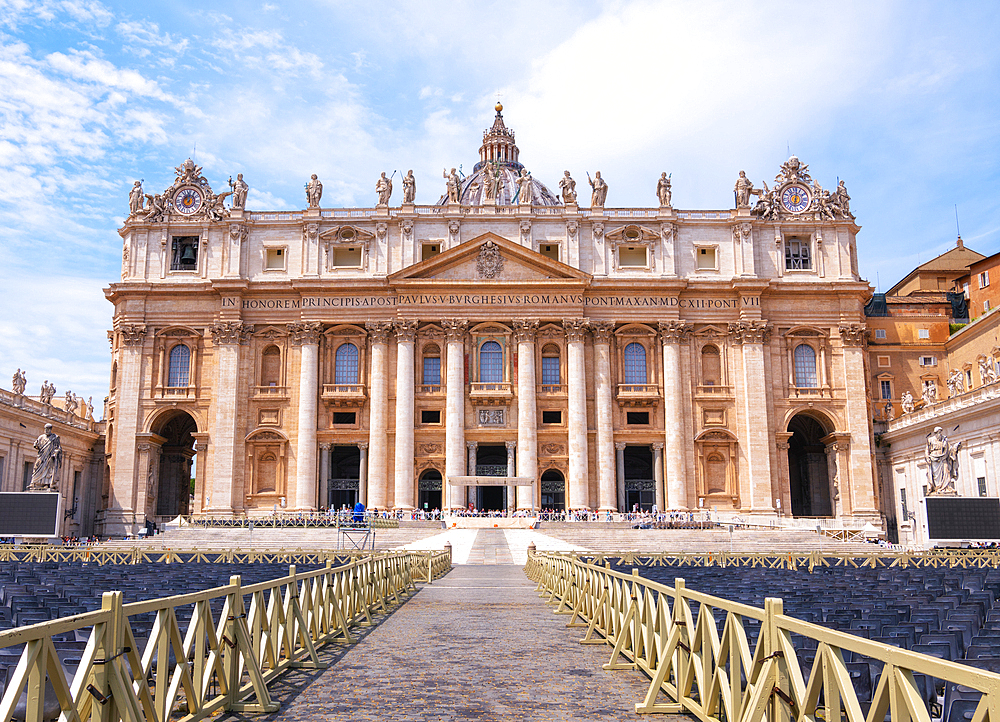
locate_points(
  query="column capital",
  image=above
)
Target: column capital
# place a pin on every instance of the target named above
(620, 446)
(742, 232)
(454, 329)
(472, 445)
(750, 331)
(133, 334)
(325, 446)
(602, 331)
(854, 334)
(363, 445)
(525, 329)
(379, 330)
(674, 331)
(576, 329)
(657, 446)
(230, 333)
(305, 334)
(406, 330)
(511, 445)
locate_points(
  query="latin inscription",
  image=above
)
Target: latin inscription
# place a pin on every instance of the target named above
(487, 299)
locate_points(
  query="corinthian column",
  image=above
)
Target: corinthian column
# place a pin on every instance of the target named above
(403, 460)
(527, 419)
(672, 333)
(454, 428)
(751, 335)
(605, 432)
(227, 337)
(576, 333)
(120, 517)
(306, 336)
(378, 434)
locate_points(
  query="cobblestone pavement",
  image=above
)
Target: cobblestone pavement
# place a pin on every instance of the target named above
(477, 644)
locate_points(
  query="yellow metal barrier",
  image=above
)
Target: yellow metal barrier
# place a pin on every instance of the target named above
(223, 663)
(141, 555)
(671, 634)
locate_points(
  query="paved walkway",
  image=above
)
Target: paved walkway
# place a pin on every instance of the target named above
(477, 644)
(492, 546)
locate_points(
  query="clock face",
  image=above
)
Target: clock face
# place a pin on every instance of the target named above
(187, 201)
(795, 198)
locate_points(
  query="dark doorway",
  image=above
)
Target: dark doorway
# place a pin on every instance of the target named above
(808, 475)
(173, 489)
(640, 488)
(429, 493)
(345, 472)
(553, 491)
(491, 460)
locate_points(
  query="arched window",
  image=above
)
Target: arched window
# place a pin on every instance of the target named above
(346, 364)
(490, 362)
(432, 366)
(711, 366)
(270, 367)
(550, 365)
(805, 366)
(179, 367)
(635, 363)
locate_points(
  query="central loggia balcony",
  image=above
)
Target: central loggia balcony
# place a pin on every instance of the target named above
(345, 394)
(492, 391)
(638, 394)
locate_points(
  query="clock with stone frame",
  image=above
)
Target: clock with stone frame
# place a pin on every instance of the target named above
(187, 201)
(795, 198)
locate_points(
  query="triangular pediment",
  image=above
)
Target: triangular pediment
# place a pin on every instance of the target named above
(489, 259)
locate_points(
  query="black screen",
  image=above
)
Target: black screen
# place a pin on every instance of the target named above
(28, 514)
(963, 518)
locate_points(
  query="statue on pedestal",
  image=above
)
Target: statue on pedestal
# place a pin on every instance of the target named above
(48, 391)
(907, 402)
(524, 188)
(45, 472)
(600, 192)
(956, 384)
(240, 189)
(19, 382)
(314, 191)
(663, 191)
(568, 187)
(453, 184)
(930, 394)
(942, 463)
(383, 186)
(409, 187)
(135, 198)
(743, 189)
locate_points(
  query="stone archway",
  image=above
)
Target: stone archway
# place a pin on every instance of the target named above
(177, 459)
(808, 470)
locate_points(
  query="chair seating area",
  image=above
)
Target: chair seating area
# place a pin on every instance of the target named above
(951, 614)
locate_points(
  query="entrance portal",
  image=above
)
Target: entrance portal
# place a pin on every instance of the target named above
(345, 472)
(491, 460)
(808, 475)
(640, 487)
(553, 491)
(429, 497)
(174, 487)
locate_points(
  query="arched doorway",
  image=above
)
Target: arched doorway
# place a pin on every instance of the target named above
(429, 492)
(808, 475)
(553, 491)
(175, 485)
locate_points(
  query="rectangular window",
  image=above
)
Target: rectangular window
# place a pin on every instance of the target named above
(344, 417)
(884, 362)
(27, 475)
(549, 250)
(902, 503)
(275, 259)
(880, 333)
(705, 259)
(347, 257)
(923, 333)
(432, 371)
(184, 253)
(984, 279)
(429, 250)
(886, 389)
(550, 370)
(797, 255)
(986, 305)
(428, 416)
(632, 257)
(636, 417)
(968, 379)
(928, 361)
(552, 417)
(981, 481)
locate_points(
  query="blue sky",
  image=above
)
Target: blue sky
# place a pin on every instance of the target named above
(899, 99)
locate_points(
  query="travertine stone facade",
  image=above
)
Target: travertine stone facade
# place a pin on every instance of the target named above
(616, 356)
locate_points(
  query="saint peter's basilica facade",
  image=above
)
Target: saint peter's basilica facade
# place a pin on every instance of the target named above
(532, 349)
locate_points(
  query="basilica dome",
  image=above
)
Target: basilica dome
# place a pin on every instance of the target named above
(494, 179)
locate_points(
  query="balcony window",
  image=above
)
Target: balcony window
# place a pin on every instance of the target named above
(805, 367)
(346, 364)
(432, 371)
(635, 364)
(550, 370)
(490, 362)
(179, 366)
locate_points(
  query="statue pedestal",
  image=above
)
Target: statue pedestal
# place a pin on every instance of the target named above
(312, 213)
(408, 209)
(742, 213)
(381, 211)
(666, 213)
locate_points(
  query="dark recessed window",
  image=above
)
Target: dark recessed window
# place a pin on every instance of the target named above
(344, 417)
(552, 417)
(430, 417)
(637, 417)
(184, 253)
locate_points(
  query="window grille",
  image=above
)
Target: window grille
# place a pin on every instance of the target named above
(179, 367)
(491, 362)
(346, 364)
(805, 366)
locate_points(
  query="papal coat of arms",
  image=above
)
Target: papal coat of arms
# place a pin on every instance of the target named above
(490, 262)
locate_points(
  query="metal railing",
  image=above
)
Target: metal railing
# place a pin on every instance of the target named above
(293, 520)
(672, 634)
(224, 661)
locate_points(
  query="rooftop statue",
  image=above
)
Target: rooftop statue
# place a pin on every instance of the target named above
(240, 189)
(956, 384)
(454, 185)
(383, 186)
(524, 188)
(793, 170)
(45, 472)
(20, 382)
(930, 394)
(135, 198)
(663, 192)
(568, 188)
(906, 401)
(600, 192)
(47, 392)
(409, 187)
(743, 189)
(314, 191)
